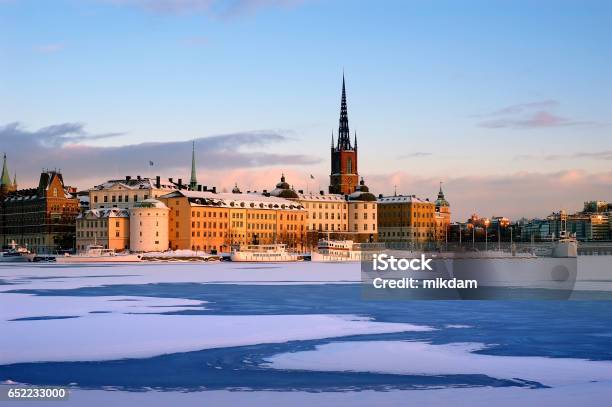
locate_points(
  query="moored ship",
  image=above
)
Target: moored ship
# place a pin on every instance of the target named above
(16, 254)
(95, 254)
(264, 253)
(344, 250)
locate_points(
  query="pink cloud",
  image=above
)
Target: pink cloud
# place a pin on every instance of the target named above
(531, 115)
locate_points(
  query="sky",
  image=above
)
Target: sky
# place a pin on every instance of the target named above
(508, 103)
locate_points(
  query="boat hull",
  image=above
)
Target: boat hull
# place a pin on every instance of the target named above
(253, 257)
(99, 259)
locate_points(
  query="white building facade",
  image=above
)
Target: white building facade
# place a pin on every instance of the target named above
(149, 222)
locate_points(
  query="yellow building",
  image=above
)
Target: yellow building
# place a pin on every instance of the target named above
(363, 210)
(406, 218)
(350, 217)
(109, 228)
(216, 222)
(123, 193)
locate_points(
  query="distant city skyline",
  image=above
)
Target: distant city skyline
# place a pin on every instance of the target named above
(515, 122)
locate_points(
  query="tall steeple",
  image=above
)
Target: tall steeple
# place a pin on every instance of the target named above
(332, 144)
(344, 177)
(344, 138)
(441, 201)
(193, 181)
(5, 179)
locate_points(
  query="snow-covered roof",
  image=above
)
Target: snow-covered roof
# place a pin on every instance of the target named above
(150, 203)
(134, 184)
(313, 196)
(402, 199)
(248, 200)
(104, 213)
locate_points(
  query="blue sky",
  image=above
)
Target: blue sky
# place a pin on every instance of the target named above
(481, 94)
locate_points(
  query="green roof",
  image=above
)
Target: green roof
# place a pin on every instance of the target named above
(5, 179)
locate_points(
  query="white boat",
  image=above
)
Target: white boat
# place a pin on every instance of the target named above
(344, 250)
(264, 253)
(96, 254)
(16, 254)
(565, 246)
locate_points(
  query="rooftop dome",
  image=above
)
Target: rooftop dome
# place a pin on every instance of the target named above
(284, 190)
(362, 193)
(150, 203)
(236, 190)
(282, 184)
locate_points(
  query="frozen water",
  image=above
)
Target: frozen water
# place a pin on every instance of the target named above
(421, 358)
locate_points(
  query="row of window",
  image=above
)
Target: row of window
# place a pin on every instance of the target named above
(89, 224)
(119, 198)
(336, 228)
(405, 234)
(396, 214)
(95, 233)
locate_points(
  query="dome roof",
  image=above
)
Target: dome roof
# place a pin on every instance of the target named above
(284, 190)
(362, 193)
(150, 203)
(282, 184)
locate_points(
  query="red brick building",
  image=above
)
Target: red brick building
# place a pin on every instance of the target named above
(42, 218)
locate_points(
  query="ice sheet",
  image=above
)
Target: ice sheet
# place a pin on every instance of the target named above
(28, 276)
(420, 358)
(118, 335)
(591, 394)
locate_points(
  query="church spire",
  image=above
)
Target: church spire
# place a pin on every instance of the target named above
(355, 139)
(15, 180)
(193, 182)
(332, 144)
(5, 179)
(344, 138)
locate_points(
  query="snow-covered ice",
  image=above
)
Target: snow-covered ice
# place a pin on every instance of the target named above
(118, 336)
(28, 276)
(16, 306)
(421, 358)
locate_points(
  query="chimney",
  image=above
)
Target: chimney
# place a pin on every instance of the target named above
(170, 180)
(158, 182)
(180, 183)
(205, 188)
(199, 188)
(321, 192)
(214, 190)
(380, 196)
(300, 191)
(127, 177)
(265, 191)
(138, 177)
